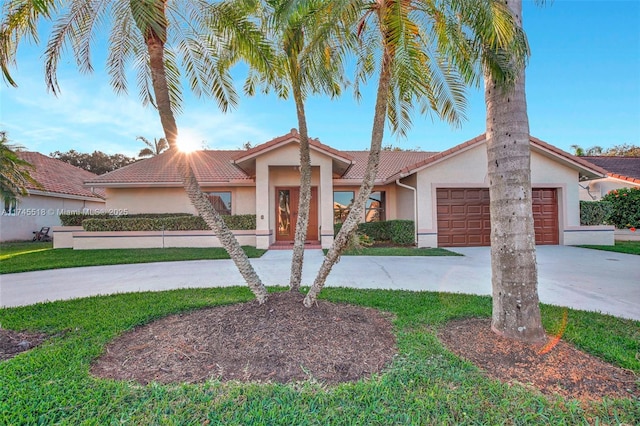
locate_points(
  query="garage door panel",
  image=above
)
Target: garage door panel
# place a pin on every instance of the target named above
(464, 216)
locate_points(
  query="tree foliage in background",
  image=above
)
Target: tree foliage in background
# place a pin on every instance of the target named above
(157, 147)
(623, 150)
(15, 173)
(97, 162)
(626, 207)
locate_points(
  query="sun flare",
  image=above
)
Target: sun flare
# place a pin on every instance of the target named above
(187, 144)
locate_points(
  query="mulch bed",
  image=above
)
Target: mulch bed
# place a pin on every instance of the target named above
(282, 341)
(564, 370)
(14, 342)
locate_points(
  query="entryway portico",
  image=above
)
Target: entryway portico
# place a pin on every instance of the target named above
(276, 168)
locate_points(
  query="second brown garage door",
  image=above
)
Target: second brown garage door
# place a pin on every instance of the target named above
(464, 220)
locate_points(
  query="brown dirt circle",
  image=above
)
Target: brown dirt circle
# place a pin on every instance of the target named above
(282, 341)
(563, 370)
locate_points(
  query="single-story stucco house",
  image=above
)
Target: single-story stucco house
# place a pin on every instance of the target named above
(445, 193)
(622, 172)
(61, 190)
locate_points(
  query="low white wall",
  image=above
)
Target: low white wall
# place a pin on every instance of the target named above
(602, 235)
(63, 236)
(627, 235)
(79, 239)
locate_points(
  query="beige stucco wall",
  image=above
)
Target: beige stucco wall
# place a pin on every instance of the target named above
(154, 239)
(149, 200)
(35, 211)
(174, 200)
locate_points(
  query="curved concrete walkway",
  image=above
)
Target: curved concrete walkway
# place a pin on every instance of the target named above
(567, 276)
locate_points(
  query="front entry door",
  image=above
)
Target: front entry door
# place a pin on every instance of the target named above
(287, 214)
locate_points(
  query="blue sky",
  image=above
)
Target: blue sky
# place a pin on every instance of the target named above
(583, 87)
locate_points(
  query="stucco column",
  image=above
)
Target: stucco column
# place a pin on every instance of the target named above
(326, 204)
(263, 230)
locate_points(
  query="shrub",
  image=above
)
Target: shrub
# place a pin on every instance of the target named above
(400, 232)
(164, 222)
(626, 207)
(595, 212)
(76, 219)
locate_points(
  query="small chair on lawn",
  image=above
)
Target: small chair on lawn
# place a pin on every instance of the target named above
(42, 234)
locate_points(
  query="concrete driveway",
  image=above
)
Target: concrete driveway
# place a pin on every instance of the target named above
(568, 276)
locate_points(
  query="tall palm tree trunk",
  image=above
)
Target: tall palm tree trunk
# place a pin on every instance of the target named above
(302, 221)
(155, 46)
(514, 279)
(353, 218)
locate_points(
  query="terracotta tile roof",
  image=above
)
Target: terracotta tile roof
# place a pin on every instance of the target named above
(292, 135)
(220, 166)
(438, 156)
(208, 166)
(390, 163)
(481, 139)
(59, 177)
(575, 159)
(625, 168)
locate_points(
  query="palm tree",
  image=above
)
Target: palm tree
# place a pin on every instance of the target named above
(514, 278)
(156, 148)
(14, 171)
(308, 61)
(157, 36)
(577, 150)
(425, 59)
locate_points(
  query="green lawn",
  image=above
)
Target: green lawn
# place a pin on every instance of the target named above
(425, 384)
(399, 251)
(629, 247)
(35, 256)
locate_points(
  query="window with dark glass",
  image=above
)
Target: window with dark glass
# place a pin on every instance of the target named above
(10, 205)
(342, 201)
(221, 201)
(374, 208)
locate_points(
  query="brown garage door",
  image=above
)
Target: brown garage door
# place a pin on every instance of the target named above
(464, 220)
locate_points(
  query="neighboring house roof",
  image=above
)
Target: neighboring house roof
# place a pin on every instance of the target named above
(624, 168)
(237, 167)
(58, 178)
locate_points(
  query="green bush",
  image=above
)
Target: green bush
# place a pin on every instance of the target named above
(626, 207)
(76, 219)
(246, 222)
(167, 223)
(400, 232)
(595, 212)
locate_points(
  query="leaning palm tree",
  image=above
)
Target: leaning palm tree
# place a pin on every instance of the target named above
(156, 37)
(514, 275)
(309, 55)
(15, 173)
(427, 53)
(157, 147)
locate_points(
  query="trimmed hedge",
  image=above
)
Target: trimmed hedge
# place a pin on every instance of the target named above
(400, 232)
(167, 223)
(595, 212)
(76, 219)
